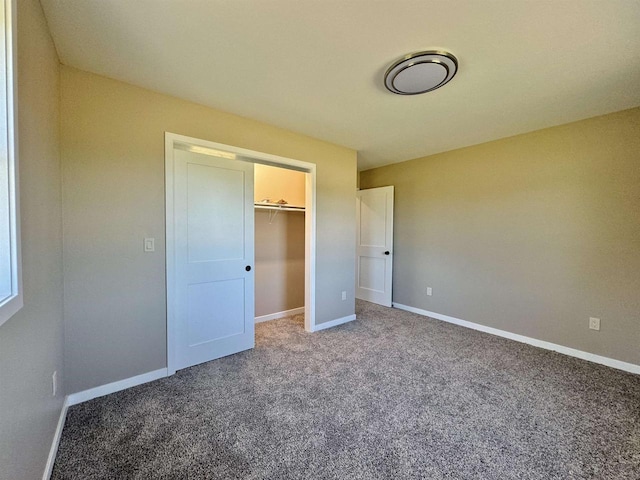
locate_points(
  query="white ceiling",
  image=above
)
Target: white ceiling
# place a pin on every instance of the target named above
(316, 66)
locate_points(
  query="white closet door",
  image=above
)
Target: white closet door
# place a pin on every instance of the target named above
(214, 255)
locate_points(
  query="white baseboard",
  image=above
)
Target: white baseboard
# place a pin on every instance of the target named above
(333, 323)
(572, 352)
(113, 387)
(48, 469)
(273, 316)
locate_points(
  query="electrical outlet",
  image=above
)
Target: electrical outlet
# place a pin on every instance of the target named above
(594, 323)
(54, 383)
(429, 291)
(344, 295)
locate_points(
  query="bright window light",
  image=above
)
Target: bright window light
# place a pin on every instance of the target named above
(10, 262)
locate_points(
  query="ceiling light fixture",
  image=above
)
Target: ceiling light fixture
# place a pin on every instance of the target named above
(420, 72)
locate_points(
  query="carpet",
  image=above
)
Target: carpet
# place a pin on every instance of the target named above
(392, 395)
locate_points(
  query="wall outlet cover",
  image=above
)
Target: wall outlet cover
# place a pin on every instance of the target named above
(594, 323)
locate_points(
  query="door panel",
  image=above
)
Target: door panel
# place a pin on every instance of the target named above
(210, 315)
(374, 214)
(215, 208)
(214, 299)
(372, 272)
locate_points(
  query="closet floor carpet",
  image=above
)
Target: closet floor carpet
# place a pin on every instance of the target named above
(391, 395)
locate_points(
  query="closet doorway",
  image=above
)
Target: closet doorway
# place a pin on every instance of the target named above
(280, 197)
(210, 233)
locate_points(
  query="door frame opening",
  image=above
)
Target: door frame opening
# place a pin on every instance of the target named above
(182, 142)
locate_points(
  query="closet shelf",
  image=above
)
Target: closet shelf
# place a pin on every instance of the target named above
(278, 207)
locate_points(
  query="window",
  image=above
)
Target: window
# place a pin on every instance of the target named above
(10, 264)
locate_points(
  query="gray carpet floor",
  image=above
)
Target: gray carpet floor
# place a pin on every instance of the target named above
(390, 395)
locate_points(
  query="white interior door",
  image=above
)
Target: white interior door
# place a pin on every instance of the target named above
(375, 245)
(214, 253)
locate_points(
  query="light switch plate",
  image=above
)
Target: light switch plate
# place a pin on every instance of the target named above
(149, 244)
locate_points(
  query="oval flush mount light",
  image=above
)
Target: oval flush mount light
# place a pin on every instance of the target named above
(420, 72)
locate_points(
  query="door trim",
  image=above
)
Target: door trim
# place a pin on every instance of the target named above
(242, 154)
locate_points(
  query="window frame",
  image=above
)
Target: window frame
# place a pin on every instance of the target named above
(14, 302)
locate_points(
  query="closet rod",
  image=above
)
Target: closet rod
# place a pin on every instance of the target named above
(287, 208)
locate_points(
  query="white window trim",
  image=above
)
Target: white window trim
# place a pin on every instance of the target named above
(15, 302)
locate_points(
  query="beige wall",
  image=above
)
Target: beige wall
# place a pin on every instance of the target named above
(31, 341)
(531, 234)
(279, 183)
(113, 197)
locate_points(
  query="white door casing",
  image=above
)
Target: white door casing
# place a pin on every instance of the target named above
(374, 217)
(214, 257)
